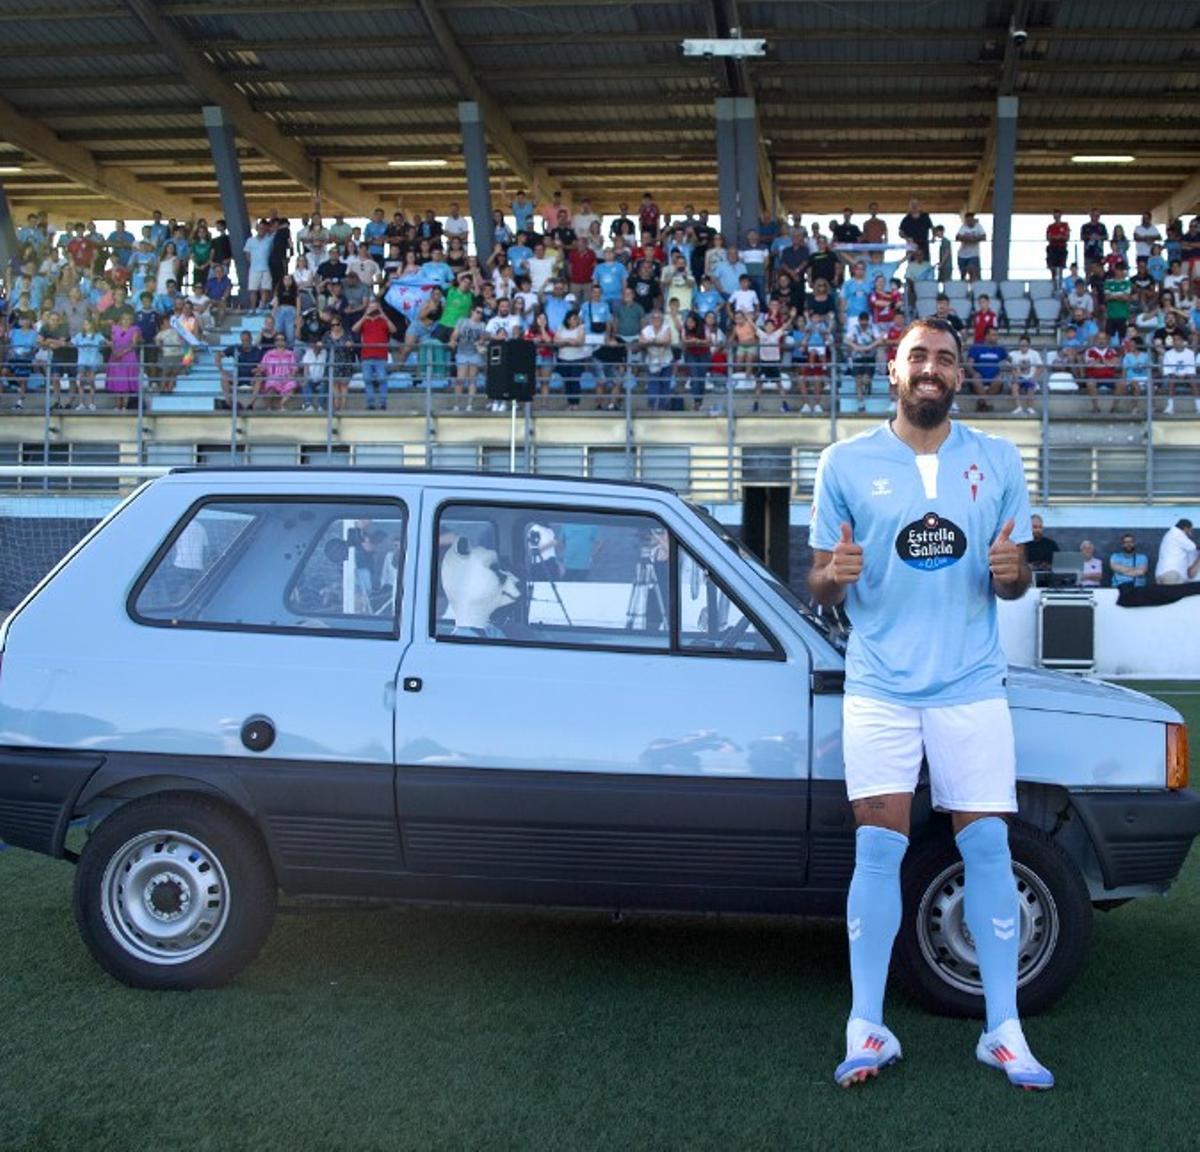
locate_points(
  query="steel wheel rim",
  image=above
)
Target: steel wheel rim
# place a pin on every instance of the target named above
(946, 944)
(165, 897)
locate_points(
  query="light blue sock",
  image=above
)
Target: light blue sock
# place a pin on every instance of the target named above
(993, 915)
(873, 916)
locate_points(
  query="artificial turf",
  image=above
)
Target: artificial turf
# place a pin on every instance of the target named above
(372, 1028)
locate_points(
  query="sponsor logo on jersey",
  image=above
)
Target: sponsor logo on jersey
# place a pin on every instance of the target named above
(930, 543)
(881, 486)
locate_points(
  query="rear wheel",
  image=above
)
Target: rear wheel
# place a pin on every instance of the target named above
(935, 954)
(174, 891)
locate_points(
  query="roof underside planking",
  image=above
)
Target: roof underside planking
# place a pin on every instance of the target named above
(857, 101)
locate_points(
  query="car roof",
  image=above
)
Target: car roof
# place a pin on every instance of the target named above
(435, 477)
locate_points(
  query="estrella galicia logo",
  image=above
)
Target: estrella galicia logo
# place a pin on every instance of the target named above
(931, 543)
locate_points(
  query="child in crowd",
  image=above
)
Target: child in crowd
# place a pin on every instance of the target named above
(88, 344)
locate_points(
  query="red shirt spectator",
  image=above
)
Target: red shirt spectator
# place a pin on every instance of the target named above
(649, 215)
(652, 252)
(581, 263)
(82, 252)
(1101, 362)
(985, 320)
(883, 303)
(373, 335)
(1058, 234)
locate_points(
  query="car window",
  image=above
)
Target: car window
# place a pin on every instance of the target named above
(710, 618)
(262, 564)
(553, 576)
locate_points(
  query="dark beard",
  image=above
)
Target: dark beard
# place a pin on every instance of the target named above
(925, 412)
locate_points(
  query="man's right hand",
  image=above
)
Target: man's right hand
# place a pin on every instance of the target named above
(846, 560)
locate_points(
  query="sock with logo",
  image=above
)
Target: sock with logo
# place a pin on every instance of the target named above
(873, 916)
(992, 912)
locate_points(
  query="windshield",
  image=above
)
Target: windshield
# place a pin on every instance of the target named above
(828, 625)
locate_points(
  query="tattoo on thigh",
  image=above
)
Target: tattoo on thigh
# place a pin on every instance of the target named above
(870, 804)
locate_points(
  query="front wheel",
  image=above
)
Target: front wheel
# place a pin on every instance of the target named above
(935, 954)
(174, 891)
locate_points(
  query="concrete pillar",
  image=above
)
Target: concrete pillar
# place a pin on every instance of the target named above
(746, 137)
(727, 171)
(479, 191)
(1002, 194)
(8, 236)
(222, 139)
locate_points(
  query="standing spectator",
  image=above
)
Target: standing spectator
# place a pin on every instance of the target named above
(258, 249)
(375, 232)
(1145, 236)
(339, 347)
(941, 254)
(1118, 295)
(1094, 235)
(583, 220)
(522, 210)
(649, 215)
(696, 358)
(623, 225)
(123, 374)
(88, 346)
(863, 341)
(373, 330)
(542, 267)
(549, 212)
(1129, 566)
(655, 342)
(1178, 558)
(823, 264)
(1027, 369)
(1058, 238)
(468, 342)
(874, 229)
(793, 258)
(581, 264)
(970, 236)
(222, 247)
(610, 276)
(846, 231)
(916, 227)
(457, 225)
(570, 343)
(1178, 366)
(985, 319)
(1039, 552)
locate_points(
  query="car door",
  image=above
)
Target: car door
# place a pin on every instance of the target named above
(269, 629)
(591, 716)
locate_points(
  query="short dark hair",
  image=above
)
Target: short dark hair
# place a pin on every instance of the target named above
(1185, 524)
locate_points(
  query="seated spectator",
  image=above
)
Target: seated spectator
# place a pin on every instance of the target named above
(1129, 566)
(1178, 367)
(1027, 372)
(245, 373)
(278, 365)
(946, 312)
(1102, 370)
(987, 368)
(1091, 571)
(1079, 299)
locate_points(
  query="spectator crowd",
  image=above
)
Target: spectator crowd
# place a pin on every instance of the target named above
(670, 301)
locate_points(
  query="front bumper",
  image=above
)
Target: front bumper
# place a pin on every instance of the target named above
(38, 791)
(1139, 837)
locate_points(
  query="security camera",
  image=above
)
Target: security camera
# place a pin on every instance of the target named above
(1019, 36)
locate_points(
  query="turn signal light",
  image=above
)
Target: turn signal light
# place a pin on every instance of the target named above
(1177, 756)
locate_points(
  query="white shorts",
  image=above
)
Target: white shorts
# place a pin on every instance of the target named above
(969, 747)
(259, 282)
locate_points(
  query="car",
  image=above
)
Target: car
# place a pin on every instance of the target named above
(426, 686)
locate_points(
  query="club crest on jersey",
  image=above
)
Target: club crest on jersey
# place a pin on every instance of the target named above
(930, 543)
(973, 477)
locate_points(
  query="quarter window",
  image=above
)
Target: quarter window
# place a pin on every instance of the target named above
(280, 565)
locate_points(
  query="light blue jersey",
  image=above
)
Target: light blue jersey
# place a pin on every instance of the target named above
(924, 615)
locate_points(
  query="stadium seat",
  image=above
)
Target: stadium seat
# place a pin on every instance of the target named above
(926, 307)
(1040, 289)
(1017, 311)
(956, 290)
(1011, 289)
(984, 288)
(1047, 310)
(926, 290)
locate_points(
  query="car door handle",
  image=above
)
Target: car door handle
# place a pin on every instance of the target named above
(413, 684)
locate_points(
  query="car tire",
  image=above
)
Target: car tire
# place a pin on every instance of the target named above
(174, 891)
(934, 956)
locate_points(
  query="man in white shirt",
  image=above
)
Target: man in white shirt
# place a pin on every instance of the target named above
(1027, 369)
(584, 218)
(542, 267)
(970, 236)
(456, 225)
(504, 325)
(1178, 558)
(1145, 236)
(1178, 366)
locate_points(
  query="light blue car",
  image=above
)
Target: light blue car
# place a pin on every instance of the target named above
(436, 687)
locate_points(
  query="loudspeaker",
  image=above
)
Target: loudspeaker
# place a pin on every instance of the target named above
(510, 370)
(1066, 634)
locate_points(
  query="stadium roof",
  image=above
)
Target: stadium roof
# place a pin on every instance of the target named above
(100, 102)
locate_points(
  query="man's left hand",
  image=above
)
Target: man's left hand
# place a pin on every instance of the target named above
(1004, 557)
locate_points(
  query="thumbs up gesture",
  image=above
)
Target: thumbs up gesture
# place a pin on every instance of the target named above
(1004, 557)
(846, 562)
